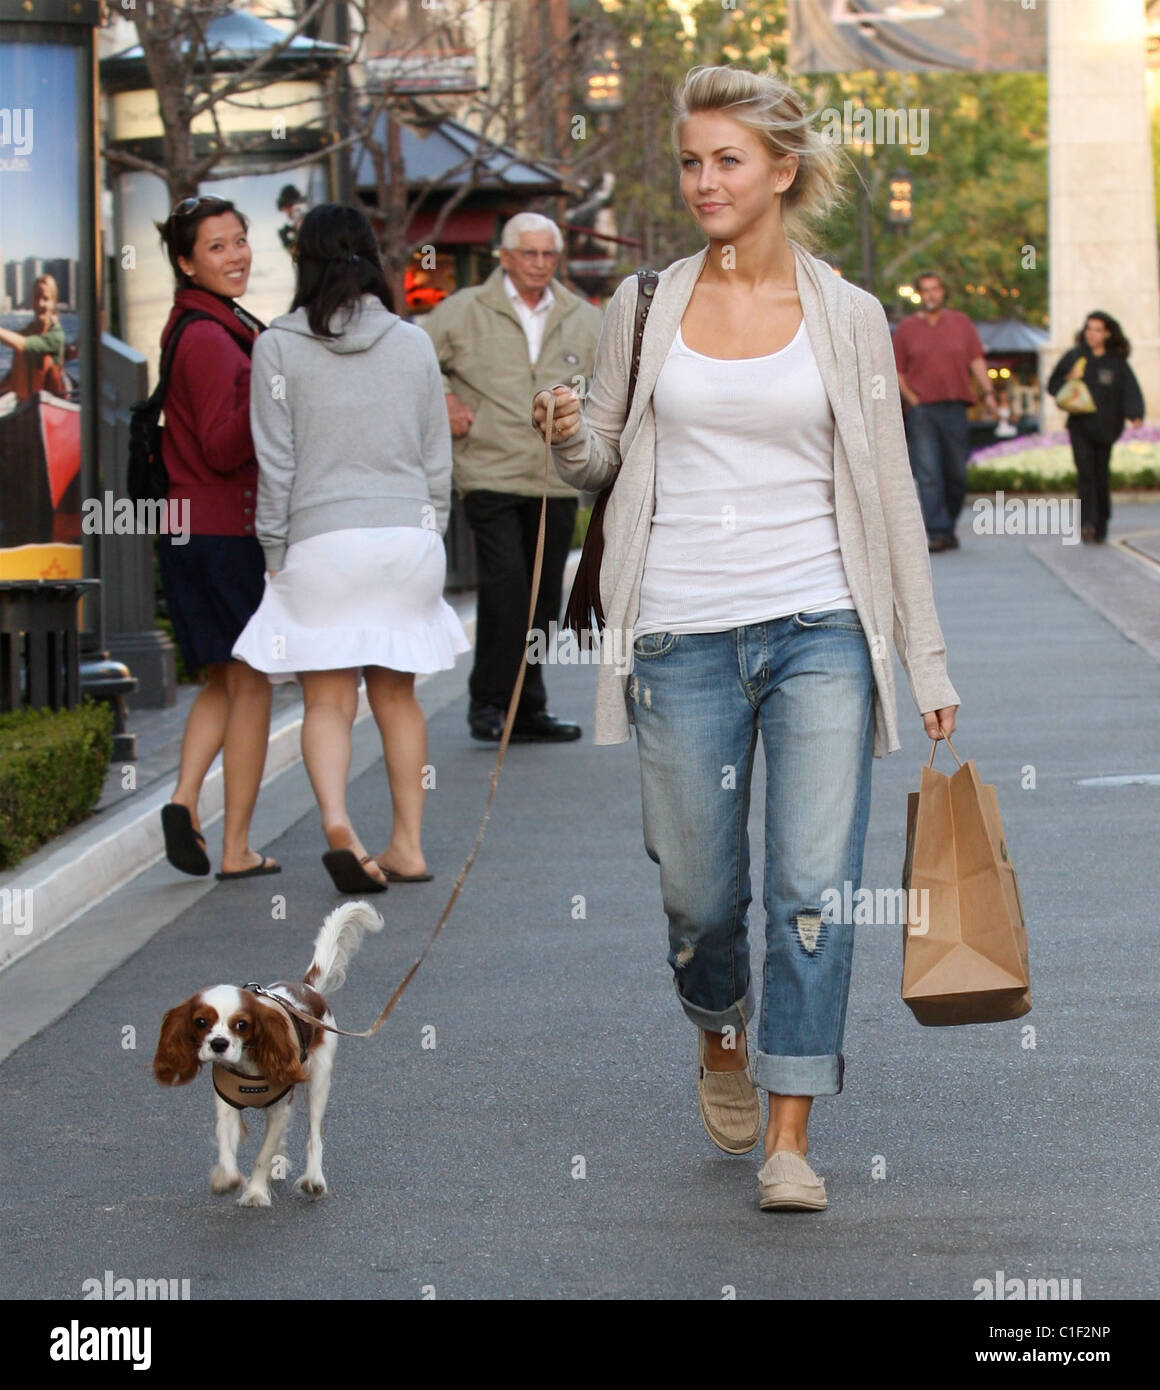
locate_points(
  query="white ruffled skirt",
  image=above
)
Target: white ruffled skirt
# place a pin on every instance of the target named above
(366, 597)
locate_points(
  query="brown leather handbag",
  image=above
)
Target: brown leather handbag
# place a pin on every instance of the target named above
(584, 608)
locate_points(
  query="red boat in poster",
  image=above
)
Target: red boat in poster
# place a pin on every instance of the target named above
(40, 467)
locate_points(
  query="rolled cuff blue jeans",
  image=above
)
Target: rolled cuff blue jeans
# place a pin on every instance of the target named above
(805, 683)
(938, 437)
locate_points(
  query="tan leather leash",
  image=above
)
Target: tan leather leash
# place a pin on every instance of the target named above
(505, 737)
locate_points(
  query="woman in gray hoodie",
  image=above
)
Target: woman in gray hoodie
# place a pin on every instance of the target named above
(354, 452)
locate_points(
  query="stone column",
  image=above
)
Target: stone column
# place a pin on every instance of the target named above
(1102, 251)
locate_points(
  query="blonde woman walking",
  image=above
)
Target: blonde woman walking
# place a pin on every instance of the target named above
(764, 550)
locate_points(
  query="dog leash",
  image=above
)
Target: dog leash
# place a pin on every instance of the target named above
(505, 737)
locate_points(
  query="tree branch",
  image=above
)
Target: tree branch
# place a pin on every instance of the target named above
(246, 75)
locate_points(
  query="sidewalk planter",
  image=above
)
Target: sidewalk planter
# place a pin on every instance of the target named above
(1044, 463)
(52, 769)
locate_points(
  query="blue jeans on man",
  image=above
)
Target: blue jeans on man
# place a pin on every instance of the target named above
(938, 437)
(699, 700)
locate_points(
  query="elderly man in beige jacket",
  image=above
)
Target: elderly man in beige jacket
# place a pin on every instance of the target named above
(497, 343)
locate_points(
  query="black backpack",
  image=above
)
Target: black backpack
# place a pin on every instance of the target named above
(148, 480)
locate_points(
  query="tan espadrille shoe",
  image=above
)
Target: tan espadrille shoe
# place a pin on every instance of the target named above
(730, 1110)
(788, 1183)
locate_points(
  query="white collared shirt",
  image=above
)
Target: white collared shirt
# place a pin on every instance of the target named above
(533, 320)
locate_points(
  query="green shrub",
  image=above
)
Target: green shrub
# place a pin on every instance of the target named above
(985, 477)
(52, 768)
(1045, 463)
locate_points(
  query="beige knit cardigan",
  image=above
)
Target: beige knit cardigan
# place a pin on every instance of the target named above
(880, 527)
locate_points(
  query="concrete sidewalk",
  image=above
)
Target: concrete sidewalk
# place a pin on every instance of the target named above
(526, 1124)
(76, 871)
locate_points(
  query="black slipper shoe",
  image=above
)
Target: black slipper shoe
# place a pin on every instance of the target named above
(267, 866)
(346, 870)
(184, 847)
(393, 877)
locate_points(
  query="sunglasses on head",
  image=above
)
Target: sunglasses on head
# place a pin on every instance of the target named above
(188, 205)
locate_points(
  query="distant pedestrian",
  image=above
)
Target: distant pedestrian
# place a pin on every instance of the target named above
(763, 546)
(937, 351)
(213, 579)
(1005, 429)
(1117, 398)
(355, 455)
(520, 329)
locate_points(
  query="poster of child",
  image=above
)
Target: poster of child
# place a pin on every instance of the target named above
(40, 288)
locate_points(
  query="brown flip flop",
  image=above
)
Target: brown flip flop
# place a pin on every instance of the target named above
(346, 870)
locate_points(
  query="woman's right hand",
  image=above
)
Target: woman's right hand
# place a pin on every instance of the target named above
(940, 723)
(566, 421)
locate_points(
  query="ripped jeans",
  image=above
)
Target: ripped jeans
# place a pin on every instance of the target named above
(698, 701)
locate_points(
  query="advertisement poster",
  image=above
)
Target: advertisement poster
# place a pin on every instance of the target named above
(40, 409)
(916, 35)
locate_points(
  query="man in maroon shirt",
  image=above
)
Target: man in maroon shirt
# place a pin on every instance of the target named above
(937, 352)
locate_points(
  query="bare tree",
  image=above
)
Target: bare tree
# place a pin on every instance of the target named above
(507, 114)
(195, 80)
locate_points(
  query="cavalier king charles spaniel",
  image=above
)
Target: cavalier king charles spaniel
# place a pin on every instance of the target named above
(260, 1052)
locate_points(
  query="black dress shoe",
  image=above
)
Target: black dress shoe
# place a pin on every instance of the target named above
(543, 727)
(486, 723)
(952, 541)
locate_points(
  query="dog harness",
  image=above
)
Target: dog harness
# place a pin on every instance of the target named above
(243, 1091)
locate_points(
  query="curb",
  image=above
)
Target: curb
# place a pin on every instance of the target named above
(79, 875)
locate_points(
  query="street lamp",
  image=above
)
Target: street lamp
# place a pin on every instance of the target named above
(605, 91)
(900, 211)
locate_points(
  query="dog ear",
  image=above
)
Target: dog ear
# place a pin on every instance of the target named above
(175, 1061)
(274, 1046)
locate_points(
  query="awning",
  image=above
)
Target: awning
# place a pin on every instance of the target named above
(463, 227)
(442, 154)
(1010, 336)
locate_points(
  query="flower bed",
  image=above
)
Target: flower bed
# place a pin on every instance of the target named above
(1044, 463)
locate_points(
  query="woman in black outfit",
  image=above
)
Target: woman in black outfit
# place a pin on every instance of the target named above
(1117, 397)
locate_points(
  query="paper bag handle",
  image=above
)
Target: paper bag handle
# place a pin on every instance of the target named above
(934, 743)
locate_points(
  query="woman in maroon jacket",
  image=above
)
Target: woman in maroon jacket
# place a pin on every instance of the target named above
(214, 580)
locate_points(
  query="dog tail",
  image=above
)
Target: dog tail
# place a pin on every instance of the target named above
(338, 940)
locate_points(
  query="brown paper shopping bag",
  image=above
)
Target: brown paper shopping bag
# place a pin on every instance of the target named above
(964, 950)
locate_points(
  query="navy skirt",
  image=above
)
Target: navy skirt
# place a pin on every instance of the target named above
(213, 584)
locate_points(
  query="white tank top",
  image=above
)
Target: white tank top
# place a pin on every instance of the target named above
(743, 529)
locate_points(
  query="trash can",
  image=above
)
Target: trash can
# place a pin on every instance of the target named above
(39, 652)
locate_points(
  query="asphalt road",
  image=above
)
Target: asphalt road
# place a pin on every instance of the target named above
(558, 1039)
